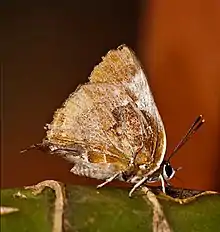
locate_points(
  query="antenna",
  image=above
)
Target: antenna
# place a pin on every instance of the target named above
(194, 127)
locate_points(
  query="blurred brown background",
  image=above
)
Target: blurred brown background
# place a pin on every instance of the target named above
(49, 49)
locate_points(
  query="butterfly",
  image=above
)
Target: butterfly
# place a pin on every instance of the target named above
(110, 128)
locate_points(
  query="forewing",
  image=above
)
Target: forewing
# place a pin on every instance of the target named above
(122, 66)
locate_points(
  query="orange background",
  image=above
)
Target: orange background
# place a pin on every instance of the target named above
(49, 50)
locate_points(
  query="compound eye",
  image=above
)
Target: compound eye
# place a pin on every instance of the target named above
(168, 171)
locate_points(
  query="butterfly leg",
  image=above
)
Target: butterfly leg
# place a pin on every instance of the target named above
(137, 185)
(162, 183)
(110, 179)
(168, 184)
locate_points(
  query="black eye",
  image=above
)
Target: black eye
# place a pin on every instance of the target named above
(168, 170)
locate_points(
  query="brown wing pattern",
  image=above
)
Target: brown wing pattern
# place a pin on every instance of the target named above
(122, 66)
(111, 118)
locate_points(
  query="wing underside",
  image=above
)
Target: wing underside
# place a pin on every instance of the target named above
(110, 119)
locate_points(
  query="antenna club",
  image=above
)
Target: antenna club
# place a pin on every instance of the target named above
(194, 127)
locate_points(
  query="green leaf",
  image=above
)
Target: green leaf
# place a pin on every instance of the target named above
(33, 211)
(84, 208)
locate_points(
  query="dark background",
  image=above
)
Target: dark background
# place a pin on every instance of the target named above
(49, 49)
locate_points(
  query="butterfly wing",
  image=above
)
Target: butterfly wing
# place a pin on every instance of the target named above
(122, 66)
(105, 122)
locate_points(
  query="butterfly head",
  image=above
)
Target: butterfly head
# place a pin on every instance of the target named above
(168, 171)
